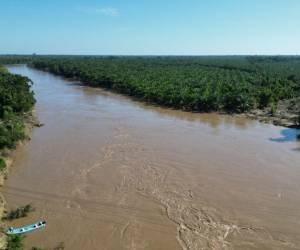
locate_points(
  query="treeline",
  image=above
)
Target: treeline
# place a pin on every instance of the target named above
(229, 83)
(200, 84)
(16, 98)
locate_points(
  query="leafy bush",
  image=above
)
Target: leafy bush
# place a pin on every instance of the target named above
(19, 212)
(11, 130)
(15, 242)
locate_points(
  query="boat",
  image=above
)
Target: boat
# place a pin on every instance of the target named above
(25, 229)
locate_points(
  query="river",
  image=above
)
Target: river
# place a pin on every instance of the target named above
(107, 172)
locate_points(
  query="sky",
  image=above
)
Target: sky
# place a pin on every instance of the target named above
(150, 27)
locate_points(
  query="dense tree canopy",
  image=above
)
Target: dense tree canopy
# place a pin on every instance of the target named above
(232, 84)
(15, 99)
(229, 83)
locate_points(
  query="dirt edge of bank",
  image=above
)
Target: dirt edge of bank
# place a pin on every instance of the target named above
(31, 121)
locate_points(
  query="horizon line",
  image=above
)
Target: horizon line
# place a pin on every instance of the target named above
(147, 55)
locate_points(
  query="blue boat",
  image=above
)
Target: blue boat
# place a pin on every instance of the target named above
(27, 228)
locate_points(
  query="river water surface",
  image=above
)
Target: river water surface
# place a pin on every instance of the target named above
(110, 173)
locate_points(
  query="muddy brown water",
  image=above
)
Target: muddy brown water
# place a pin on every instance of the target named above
(110, 173)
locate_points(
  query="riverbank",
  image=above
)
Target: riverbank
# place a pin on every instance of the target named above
(30, 121)
(16, 121)
(285, 113)
(190, 84)
(260, 88)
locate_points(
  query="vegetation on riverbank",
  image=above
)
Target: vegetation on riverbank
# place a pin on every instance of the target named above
(20, 212)
(234, 84)
(186, 83)
(2, 164)
(16, 99)
(15, 242)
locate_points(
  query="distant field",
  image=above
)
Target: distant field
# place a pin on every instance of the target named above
(231, 84)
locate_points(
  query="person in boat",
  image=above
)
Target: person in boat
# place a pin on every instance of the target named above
(12, 230)
(42, 223)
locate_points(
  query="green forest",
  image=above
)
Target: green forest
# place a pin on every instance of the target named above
(231, 84)
(16, 98)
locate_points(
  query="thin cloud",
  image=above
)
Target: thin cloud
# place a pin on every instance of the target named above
(105, 11)
(108, 11)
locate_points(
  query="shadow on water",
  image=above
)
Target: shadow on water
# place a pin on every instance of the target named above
(288, 135)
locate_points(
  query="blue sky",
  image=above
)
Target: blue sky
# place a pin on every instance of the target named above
(150, 27)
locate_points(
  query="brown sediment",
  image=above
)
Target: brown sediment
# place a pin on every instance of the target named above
(199, 226)
(30, 121)
(106, 171)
